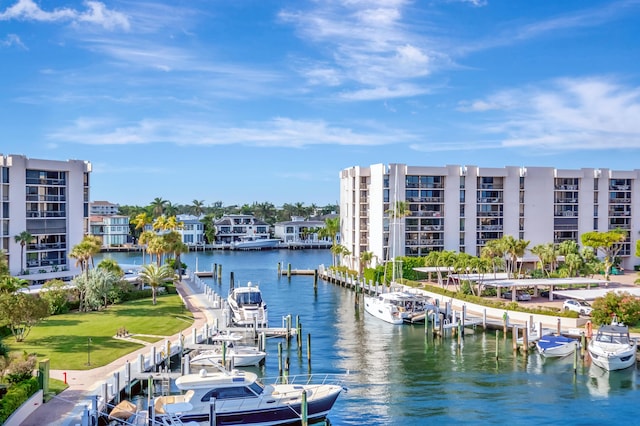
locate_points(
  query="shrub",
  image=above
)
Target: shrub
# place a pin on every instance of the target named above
(623, 305)
(16, 396)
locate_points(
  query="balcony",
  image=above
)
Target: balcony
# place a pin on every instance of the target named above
(619, 201)
(50, 213)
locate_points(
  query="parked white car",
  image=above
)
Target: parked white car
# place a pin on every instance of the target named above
(579, 306)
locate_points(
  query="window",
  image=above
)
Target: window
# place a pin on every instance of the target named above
(229, 393)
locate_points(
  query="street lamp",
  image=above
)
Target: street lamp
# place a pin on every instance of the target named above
(88, 350)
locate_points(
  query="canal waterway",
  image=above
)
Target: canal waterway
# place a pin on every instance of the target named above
(398, 376)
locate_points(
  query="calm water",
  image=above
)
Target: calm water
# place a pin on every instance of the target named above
(398, 377)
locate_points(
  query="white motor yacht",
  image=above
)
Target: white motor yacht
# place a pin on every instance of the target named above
(247, 307)
(239, 398)
(612, 348)
(398, 307)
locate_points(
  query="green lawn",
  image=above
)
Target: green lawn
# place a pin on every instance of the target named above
(64, 339)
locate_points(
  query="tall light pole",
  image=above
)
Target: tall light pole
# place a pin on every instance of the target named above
(88, 350)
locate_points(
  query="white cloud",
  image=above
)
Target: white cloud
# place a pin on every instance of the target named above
(95, 13)
(12, 40)
(368, 45)
(569, 114)
(277, 132)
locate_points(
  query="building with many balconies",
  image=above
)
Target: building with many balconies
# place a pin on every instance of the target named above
(460, 208)
(50, 200)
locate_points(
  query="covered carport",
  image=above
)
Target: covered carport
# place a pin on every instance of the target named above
(592, 294)
(541, 282)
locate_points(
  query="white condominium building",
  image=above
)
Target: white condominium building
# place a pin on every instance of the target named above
(50, 200)
(460, 208)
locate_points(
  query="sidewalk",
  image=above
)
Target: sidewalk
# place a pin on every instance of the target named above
(66, 408)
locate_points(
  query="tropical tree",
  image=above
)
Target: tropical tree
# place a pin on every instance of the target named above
(547, 255)
(11, 285)
(145, 239)
(608, 243)
(492, 251)
(99, 286)
(23, 239)
(112, 266)
(396, 214)
(154, 276)
(84, 251)
(331, 230)
(197, 207)
(4, 266)
(158, 206)
(140, 221)
(365, 260)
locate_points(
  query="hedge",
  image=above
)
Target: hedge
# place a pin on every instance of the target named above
(16, 396)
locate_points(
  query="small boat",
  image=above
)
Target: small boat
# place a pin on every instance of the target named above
(239, 355)
(239, 398)
(612, 348)
(247, 307)
(398, 307)
(556, 345)
(252, 242)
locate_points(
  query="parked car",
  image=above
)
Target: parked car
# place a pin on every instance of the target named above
(521, 296)
(579, 306)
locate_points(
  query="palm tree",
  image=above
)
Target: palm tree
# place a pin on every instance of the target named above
(141, 220)
(85, 250)
(157, 206)
(197, 207)
(154, 276)
(399, 211)
(330, 230)
(23, 239)
(365, 260)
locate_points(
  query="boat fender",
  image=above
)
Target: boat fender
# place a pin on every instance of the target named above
(589, 327)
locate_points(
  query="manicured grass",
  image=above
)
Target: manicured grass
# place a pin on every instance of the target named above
(64, 339)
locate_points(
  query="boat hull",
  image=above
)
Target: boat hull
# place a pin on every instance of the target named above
(382, 311)
(556, 346)
(613, 360)
(279, 415)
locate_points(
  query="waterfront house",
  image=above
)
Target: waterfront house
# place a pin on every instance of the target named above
(233, 227)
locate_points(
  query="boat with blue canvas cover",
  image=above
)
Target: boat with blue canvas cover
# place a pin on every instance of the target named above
(556, 345)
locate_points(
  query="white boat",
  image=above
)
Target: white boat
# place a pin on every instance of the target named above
(247, 307)
(612, 348)
(239, 355)
(397, 307)
(252, 242)
(556, 345)
(239, 398)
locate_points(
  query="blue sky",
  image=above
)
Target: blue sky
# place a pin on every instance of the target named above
(253, 100)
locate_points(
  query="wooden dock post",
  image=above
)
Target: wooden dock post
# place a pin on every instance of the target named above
(304, 409)
(497, 343)
(231, 281)
(441, 325)
(309, 352)
(315, 280)
(289, 270)
(464, 318)
(583, 344)
(280, 358)
(559, 326)
(484, 319)
(299, 335)
(220, 274)
(514, 337)
(279, 269)
(525, 338)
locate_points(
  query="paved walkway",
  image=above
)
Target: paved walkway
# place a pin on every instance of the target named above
(66, 408)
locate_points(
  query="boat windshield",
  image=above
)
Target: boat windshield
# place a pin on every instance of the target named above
(616, 338)
(249, 298)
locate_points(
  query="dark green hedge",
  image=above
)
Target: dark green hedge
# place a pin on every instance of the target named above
(16, 396)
